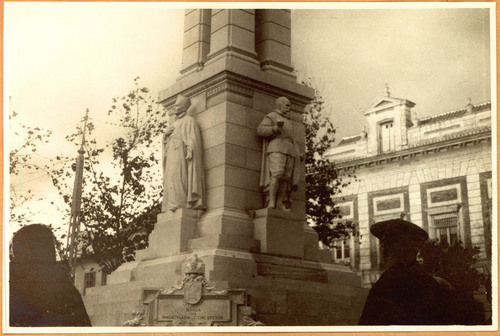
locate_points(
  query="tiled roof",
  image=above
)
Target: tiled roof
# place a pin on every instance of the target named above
(349, 140)
(454, 114)
(453, 136)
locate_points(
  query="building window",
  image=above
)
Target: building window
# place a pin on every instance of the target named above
(104, 278)
(446, 224)
(342, 250)
(387, 139)
(446, 228)
(89, 280)
(444, 214)
(487, 209)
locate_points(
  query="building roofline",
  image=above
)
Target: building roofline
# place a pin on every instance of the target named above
(472, 137)
(455, 114)
(350, 140)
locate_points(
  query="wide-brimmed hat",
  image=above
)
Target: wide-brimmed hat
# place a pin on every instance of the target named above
(399, 231)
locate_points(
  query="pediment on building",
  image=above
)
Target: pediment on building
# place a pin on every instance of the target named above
(386, 103)
(383, 102)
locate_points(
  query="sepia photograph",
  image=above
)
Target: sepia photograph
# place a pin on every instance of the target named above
(254, 168)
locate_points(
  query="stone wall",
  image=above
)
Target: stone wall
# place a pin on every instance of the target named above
(467, 164)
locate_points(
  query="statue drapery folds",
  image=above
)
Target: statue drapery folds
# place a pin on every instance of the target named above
(183, 168)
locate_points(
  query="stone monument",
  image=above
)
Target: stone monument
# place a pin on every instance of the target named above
(236, 64)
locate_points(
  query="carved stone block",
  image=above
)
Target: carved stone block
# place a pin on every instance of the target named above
(279, 232)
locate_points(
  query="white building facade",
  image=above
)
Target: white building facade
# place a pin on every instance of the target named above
(435, 172)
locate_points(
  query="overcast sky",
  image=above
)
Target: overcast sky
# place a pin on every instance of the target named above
(61, 58)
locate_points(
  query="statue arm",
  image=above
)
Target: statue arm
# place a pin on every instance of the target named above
(191, 137)
(266, 128)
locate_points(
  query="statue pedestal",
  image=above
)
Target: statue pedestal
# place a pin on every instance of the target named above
(171, 234)
(284, 291)
(279, 232)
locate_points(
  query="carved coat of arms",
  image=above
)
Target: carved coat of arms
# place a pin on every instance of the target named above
(193, 292)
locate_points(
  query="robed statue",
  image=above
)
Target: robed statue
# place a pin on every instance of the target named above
(280, 169)
(183, 168)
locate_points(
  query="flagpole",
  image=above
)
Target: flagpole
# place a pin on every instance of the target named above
(74, 224)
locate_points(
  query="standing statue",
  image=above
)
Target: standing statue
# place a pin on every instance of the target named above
(280, 169)
(183, 169)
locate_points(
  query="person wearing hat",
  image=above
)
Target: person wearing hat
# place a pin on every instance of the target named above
(183, 170)
(405, 294)
(41, 291)
(280, 156)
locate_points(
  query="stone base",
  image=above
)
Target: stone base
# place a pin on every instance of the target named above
(283, 291)
(224, 229)
(171, 234)
(279, 232)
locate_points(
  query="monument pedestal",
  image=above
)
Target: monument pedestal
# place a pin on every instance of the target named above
(171, 233)
(283, 291)
(279, 232)
(279, 283)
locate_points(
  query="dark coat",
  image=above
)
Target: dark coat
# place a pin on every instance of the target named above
(406, 295)
(42, 295)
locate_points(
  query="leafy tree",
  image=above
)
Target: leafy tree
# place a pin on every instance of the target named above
(322, 180)
(23, 160)
(122, 180)
(455, 264)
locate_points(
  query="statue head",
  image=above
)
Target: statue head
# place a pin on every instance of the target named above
(283, 105)
(181, 104)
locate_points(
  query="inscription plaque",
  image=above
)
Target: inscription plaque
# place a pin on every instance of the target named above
(194, 302)
(173, 308)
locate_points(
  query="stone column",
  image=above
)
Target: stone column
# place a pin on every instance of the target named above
(274, 40)
(196, 39)
(233, 34)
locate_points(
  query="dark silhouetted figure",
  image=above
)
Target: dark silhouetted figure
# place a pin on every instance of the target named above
(41, 291)
(405, 294)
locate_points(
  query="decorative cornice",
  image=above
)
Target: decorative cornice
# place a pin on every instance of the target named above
(236, 83)
(229, 87)
(233, 51)
(197, 66)
(417, 151)
(272, 63)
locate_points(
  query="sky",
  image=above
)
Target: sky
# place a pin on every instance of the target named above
(62, 58)
(437, 58)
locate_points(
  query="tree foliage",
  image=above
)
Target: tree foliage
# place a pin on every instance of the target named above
(322, 180)
(23, 162)
(453, 263)
(122, 180)
(456, 264)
